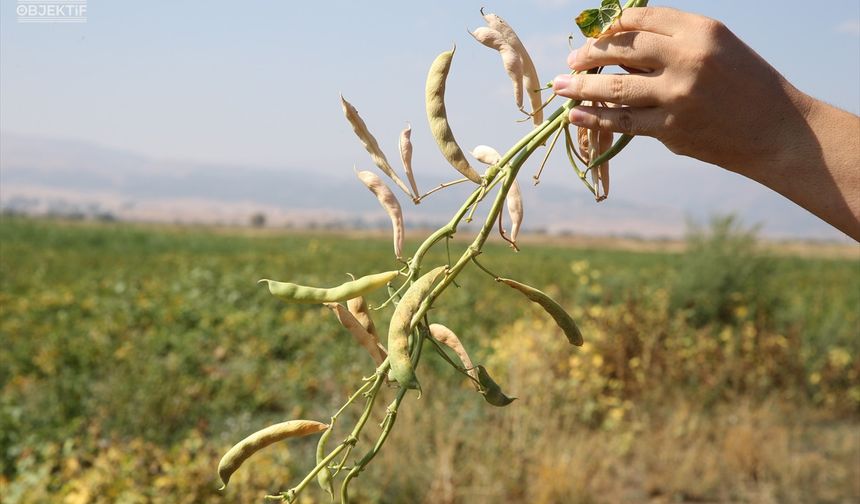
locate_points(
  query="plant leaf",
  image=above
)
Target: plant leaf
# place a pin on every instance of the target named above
(593, 22)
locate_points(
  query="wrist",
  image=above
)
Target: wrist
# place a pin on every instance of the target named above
(786, 137)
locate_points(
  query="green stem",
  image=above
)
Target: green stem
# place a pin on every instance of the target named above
(388, 423)
(609, 154)
(535, 140)
(292, 493)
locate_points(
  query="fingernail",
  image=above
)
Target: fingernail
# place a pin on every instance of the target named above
(571, 58)
(560, 82)
(578, 117)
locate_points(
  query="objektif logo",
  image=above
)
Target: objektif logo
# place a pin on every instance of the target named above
(51, 11)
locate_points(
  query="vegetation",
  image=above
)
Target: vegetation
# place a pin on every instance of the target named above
(134, 356)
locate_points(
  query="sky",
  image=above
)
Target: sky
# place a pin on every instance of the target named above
(257, 83)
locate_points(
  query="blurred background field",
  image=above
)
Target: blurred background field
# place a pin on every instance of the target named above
(717, 370)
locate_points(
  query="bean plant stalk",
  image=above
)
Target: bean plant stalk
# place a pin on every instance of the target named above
(499, 178)
(503, 173)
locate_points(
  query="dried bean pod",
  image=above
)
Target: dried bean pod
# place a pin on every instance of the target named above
(583, 144)
(370, 143)
(491, 390)
(511, 60)
(564, 321)
(447, 337)
(438, 116)
(593, 152)
(368, 341)
(486, 154)
(389, 203)
(239, 453)
(406, 158)
(294, 293)
(358, 307)
(401, 326)
(604, 143)
(592, 143)
(530, 76)
(514, 201)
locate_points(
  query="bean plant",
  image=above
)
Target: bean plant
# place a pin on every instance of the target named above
(415, 287)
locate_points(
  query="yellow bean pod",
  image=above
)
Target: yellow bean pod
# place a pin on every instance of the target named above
(294, 293)
(359, 309)
(564, 321)
(592, 143)
(486, 154)
(368, 341)
(511, 61)
(324, 477)
(438, 116)
(233, 459)
(389, 203)
(405, 144)
(447, 337)
(370, 143)
(401, 325)
(514, 203)
(530, 76)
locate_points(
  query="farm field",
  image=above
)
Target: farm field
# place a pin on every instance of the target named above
(718, 370)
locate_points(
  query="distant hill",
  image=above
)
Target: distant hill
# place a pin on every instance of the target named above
(39, 175)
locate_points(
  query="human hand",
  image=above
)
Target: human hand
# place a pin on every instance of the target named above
(701, 90)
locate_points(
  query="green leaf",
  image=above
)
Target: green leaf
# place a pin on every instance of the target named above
(491, 390)
(593, 22)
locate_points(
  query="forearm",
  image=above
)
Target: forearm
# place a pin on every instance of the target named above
(705, 94)
(819, 168)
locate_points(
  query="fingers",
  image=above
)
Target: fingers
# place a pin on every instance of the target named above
(631, 90)
(662, 20)
(633, 121)
(633, 49)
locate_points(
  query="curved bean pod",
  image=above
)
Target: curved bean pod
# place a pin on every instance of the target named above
(324, 477)
(358, 307)
(239, 453)
(294, 293)
(370, 143)
(592, 143)
(514, 202)
(530, 76)
(604, 143)
(447, 337)
(491, 390)
(389, 203)
(564, 321)
(438, 116)
(406, 159)
(368, 341)
(511, 60)
(401, 326)
(486, 154)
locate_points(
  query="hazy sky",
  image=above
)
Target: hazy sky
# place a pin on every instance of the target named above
(257, 82)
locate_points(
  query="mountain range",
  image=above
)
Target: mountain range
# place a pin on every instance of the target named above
(42, 175)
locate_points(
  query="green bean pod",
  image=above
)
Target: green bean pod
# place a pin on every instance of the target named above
(491, 390)
(294, 293)
(401, 325)
(239, 453)
(324, 477)
(437, 115)
(564, 321)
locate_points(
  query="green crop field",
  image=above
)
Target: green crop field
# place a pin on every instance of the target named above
(132, 357)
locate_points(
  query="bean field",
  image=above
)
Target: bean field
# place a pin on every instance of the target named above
(133, 356)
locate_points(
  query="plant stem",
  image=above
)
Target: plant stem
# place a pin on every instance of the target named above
(388, 423)
(292, 493)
